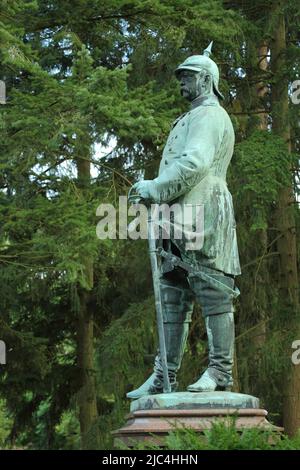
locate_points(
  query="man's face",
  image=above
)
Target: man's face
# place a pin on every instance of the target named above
(189, 84)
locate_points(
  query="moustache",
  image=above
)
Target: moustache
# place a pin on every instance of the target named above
(184, 89)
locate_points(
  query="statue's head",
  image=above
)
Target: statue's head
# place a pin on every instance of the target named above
(199, 76)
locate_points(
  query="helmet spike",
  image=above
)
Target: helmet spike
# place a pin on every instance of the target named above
(207, 51)
(202, 62)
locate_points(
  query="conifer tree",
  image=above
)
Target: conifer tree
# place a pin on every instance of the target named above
(80, 73)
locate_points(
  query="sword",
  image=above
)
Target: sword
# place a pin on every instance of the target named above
(153, 253)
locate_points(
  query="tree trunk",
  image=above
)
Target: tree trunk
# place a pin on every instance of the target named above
(261, 87)
(88, 414)
(285, 219)
(261, 277)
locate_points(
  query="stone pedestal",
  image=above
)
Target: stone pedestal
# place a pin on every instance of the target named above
(152, 417)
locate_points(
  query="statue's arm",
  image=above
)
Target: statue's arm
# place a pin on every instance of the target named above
(195, 161)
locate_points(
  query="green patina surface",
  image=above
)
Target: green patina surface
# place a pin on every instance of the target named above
(192, 174)
(187, 400)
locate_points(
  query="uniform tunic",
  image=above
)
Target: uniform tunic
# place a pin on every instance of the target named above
(193, 171)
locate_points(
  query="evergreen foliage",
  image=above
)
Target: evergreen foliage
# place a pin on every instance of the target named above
(225, 437)
(85, 74)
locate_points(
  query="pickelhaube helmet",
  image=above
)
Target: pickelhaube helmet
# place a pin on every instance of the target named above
(202, 62)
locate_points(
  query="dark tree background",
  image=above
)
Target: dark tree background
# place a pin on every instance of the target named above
(77, 313)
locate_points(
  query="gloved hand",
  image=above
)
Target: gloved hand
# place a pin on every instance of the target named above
(145, 189)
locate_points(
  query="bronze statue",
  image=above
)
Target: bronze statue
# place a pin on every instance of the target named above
(193, 171)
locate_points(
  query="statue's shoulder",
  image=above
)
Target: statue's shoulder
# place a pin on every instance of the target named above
(214, 119)
(213, 111)
(178, 119)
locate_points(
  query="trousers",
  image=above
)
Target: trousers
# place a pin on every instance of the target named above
(212, 296)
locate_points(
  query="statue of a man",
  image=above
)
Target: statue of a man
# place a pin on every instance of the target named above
(193, 171)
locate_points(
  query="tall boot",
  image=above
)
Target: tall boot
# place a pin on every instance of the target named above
(218, 375)
(177, 312)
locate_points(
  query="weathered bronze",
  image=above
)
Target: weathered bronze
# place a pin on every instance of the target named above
(193, 172)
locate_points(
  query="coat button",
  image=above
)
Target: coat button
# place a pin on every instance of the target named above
(166, 162)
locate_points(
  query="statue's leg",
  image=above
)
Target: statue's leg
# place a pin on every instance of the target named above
(218, 311)
(177, 303)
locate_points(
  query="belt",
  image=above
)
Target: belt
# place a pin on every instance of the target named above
(175, 261)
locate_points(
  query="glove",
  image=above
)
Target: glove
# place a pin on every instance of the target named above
(145, 189)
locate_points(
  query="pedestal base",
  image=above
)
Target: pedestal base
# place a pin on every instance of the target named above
(152, 417)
